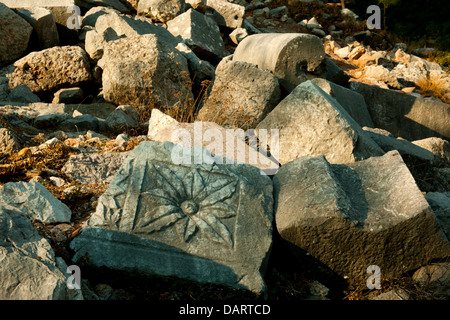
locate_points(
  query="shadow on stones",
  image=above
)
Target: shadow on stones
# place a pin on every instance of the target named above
(289, 259)
(145, 266)
(355, 205)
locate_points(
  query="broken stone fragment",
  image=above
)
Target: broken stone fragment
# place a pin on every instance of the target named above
(35, 201)
(28, 267)
(289, 56)
(311, 123)
(366, 213)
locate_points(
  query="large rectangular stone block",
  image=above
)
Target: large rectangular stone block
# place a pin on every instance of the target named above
(202, 221)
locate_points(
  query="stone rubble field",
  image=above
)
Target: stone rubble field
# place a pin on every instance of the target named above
(357, 175)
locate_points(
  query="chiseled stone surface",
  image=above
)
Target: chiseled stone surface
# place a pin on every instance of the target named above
(352, 216)
(292, 57)
(202, 221)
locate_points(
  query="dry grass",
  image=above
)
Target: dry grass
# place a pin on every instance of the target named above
(222, 109)
(435, 84)
(185, 110)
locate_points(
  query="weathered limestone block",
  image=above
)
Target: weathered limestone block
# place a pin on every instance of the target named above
(356, 215)
(404, 115)
(201, 221)
(350, 100)
(161, 10)
(200, 33)
(241, 96)
(15, 33)
(141, 70)
(51, 68)
(44, 24)
(289, 56)
(225, 13)
(64, 12)
(311, 123)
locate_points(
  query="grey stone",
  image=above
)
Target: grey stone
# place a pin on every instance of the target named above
(241, 96)
(142, 70)
(4, 88)
(23, 94)
(28, 267)
(396, 294)
(35, 201)
(99, 110)
(83, 122)
(318, 32)
(62, 11)
(199, 69)
(405, 115)
(95, 42)
(289, 56)
(51, 68)
(366, 213)
(249, 27)
(336, 74)
(424, 52)
(48, 121)
(200, 33)
(228, 143)
(124, 117)
(69, 95)
(261, 12)
(440, 203)
(404, 147)
(128, 26)
(44, 25)
(15, 33)
(225, 13)
(350, 100)
(161, 10)
(206, 222)
(278, 12)
(115, 4)
(8, 141)
(94, 168)
(310, 123)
